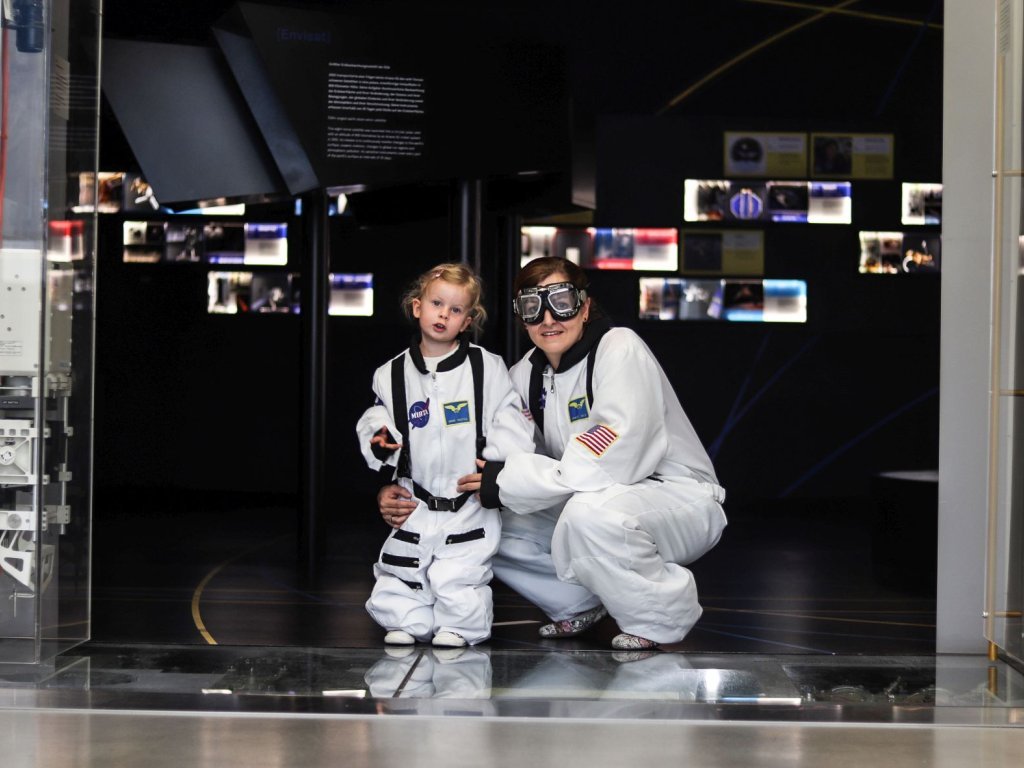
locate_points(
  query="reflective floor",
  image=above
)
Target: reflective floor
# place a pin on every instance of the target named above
(148, 705)
(217, 650)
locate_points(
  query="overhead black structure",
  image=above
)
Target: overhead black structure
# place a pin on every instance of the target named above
(186, 121)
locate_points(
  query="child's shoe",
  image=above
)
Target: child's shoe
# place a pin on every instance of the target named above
(446, 639)
(399, 637)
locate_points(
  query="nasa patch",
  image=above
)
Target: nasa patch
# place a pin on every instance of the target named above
(578, 409)
(419, 413)
(456, 413)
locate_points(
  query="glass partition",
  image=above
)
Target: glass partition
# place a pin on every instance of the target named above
(1005, 587)
(50, 52)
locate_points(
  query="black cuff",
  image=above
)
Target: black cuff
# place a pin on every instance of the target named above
(379, 451)
(489, 498)
(386, 476)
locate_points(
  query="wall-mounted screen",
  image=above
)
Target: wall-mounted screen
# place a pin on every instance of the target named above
(102, 192)
(763, 155)
(266, 245)
(722, 252)
(806, 202)
(852, 155)
(218, 242)
(922, 204)
(238, 293)
(654, 250)
(734, 300)
(641, 249)
(895, 253)
(351, 295)
(574, 244)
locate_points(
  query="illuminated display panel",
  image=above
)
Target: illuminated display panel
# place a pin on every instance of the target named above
(640, 249)
(266, 245)
(240, 293)
(732, 300)
(218, 242)
(805, 202)
(722, 251)
(922, 204)
(351, 295)
(896, 253)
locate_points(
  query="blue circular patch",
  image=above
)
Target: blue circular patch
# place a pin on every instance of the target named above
(419, 413)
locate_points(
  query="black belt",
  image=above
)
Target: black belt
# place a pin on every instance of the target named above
(439, 503)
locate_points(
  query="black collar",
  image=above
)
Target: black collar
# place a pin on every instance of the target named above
(457, 358)
(538, 361)
(592, 334)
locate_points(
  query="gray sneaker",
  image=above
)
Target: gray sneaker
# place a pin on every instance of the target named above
(578, 624)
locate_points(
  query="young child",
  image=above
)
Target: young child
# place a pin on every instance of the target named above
(440, 405)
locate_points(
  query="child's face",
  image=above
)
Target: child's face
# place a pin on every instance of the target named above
(443, 313)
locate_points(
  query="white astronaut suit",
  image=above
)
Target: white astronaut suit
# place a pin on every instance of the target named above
(619, 496)
(433, 572)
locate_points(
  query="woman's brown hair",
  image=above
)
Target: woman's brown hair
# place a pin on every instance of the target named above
(539, 269)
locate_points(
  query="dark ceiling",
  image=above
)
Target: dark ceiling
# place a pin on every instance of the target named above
(868, 58)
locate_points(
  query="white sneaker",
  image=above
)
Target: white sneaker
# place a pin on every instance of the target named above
(447, 639)
(399, 637)
(448, 654)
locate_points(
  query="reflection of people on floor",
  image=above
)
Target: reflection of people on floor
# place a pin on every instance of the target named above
(418, 673)
(620, 675)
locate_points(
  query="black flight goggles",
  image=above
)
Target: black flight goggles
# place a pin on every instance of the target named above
(564, 300)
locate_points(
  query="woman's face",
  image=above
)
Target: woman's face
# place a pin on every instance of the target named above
(554, 337)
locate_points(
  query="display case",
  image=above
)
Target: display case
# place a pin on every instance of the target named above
(50, 52)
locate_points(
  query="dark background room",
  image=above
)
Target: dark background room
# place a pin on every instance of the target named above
(570, 114)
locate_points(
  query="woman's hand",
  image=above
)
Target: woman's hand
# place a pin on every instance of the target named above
(472, 482)
(395, 504)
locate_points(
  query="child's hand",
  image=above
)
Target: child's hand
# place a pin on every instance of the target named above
(382, 444)
(384, 439)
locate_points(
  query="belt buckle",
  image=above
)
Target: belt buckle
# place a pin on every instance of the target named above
(440, 504)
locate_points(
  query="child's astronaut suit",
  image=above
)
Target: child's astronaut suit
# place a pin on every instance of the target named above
(433, 572)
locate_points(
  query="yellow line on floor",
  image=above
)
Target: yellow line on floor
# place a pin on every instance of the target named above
(197, 618)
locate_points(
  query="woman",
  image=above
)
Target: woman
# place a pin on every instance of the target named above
(620, 494)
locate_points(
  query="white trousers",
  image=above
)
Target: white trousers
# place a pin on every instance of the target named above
(433, 574)
(462, 673)
(625, 547)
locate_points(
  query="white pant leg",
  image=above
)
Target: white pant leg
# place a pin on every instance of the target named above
(524, 563)
(413, 674)
(460, 572)
(402, 597)
(464, 675)
(627, 543)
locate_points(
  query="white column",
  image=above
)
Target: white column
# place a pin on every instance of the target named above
(968, 125)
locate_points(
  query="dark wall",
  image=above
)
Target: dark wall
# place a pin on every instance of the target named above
(822, 405)
(191, 401)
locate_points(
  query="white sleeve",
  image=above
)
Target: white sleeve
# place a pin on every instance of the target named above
(627, 441)
(376, 416)
(507, 429)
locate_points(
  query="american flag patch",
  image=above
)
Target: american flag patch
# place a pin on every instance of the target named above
(597, 439)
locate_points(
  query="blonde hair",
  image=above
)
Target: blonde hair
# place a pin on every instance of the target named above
(455, 274)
